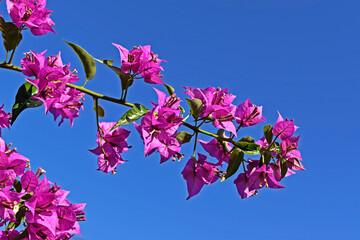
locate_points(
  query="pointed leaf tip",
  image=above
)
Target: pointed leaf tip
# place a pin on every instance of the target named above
(24, 100)
(86, 59)
(132, 115)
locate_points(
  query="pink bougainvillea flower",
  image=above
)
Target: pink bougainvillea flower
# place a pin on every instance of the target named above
(159, 126)
(242, 186)
(263, 176)
(248, 114)
(223, 118)
(8, 200)
(277, 170)
(51, 77)
(284, 128)
(217, 104)
(197, 173)
(31, 14)
(257, 177)
(216, 150)
(262, 142)
(141, 61)
(50, 214)
(67, 104)
(111, 144)
(290, 152)
(9, 234)
(11, 160)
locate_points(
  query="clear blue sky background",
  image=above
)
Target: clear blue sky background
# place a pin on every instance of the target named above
(300, 57)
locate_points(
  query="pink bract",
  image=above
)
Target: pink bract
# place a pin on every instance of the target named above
(50, 78)
(31, 14)
(111, 144)
(141, 61)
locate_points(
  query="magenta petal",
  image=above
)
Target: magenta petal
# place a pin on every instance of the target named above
(283, 129)
(29, 181)
(194, 183)
(242, 186)
(123, 52)
(271, 181)
(67, 218)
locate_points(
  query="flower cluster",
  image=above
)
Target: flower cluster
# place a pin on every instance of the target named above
(141, 61)
(217, 105)
(51, 77)
(42, 207)
(31, 14)
(111, 143)
(286, 158)
(159, 126)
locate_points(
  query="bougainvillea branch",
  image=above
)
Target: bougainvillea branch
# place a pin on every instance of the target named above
(42, 208)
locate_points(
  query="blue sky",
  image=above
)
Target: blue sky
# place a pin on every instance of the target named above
(300, 58)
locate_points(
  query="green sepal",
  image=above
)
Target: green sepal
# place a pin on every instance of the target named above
(132, 115)
(235, 160)
(183, 137)
(248, 148)
(24, 100)
(86, 59)
(196, 106)
(11, 35)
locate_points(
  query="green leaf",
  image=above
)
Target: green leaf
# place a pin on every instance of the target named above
(132, 115)
(99, 111)
(27, 196)
(20, 215)
(268, 133)
(126, 79)
(283, 167)
(17, 185)
(183, 137)
(196, 106)
(87, 60)
(11, 34)
(247, 139)
(23, 100)
(170, 89)
(248, 148)
(235, 160)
